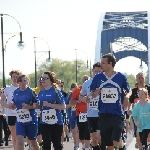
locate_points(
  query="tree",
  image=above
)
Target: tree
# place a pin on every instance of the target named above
(64, 70)
(131, 79)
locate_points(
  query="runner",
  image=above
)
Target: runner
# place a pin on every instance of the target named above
(65, 134)
(71, 112)
(60, 85)
(27, 121)
(37, 90)
(51, 104)
(109, 85)
(140, 79)
(3, 123)
(141, 115)
(8, 93)
(125, 103)
(92, 110)
(81, 114)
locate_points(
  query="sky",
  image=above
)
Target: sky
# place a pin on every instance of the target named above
(65, 25)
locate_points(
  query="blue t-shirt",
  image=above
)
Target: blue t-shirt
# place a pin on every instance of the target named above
(142, 114)
(111, 92)
(29, 97)
(53, 96)
(122, 96)
(70, 112)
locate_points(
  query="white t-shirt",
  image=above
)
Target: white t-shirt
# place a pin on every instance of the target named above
(8, 92)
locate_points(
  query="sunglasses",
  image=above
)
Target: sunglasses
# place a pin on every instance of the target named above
(20, 80)
(43, 78)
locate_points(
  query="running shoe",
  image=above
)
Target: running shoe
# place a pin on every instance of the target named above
(136, 145)
(6, 143)
(76, 148)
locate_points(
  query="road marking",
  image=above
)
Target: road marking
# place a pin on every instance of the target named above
(132, 145)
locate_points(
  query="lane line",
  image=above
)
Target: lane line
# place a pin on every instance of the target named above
(132, 145)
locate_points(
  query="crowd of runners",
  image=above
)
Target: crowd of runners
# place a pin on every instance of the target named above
(98, 114)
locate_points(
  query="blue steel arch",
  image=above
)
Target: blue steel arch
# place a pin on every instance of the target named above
(138, 54)
(109, 35)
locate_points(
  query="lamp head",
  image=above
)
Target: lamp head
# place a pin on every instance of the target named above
(48, 60)
(21, 45)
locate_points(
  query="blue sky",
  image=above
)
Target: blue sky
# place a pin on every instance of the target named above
(65, 24)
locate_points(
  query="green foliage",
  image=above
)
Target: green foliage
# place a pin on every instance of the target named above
(1, 84)
(146, 79)
(131, 79)
(64, 70)
(8, 81)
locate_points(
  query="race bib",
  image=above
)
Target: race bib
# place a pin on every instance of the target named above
(73, 108)
(109, 95)
(82, 117)
(49, 116)
(23, 115)
(94, 103)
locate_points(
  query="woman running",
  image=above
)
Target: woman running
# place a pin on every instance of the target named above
(8, 94)
(27, 121)
(51, 104)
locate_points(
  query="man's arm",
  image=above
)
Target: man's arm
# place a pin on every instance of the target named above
(72, 102)
(94, 87)
(129, 94)
(83, 97)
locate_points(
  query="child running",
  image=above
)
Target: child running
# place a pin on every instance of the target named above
(141, 116)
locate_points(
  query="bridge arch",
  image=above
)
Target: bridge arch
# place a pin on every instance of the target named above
(113, 25)
(138, 54)
(108, 36)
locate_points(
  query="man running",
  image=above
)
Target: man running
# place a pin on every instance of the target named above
(81, 114)
(92, 109)
(109, 84)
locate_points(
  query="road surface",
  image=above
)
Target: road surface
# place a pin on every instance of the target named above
(69, 145)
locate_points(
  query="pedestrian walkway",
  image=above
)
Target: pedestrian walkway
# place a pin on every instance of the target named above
(69, 145)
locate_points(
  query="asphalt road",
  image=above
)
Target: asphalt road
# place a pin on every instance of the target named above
(69, 145)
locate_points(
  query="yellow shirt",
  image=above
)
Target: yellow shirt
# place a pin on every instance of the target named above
(37, 90)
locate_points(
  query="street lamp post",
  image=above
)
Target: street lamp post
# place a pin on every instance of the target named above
(2, 40)
(77, 63)
(141, 66)
(90, 69)
(35, 59)
(20, 44)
